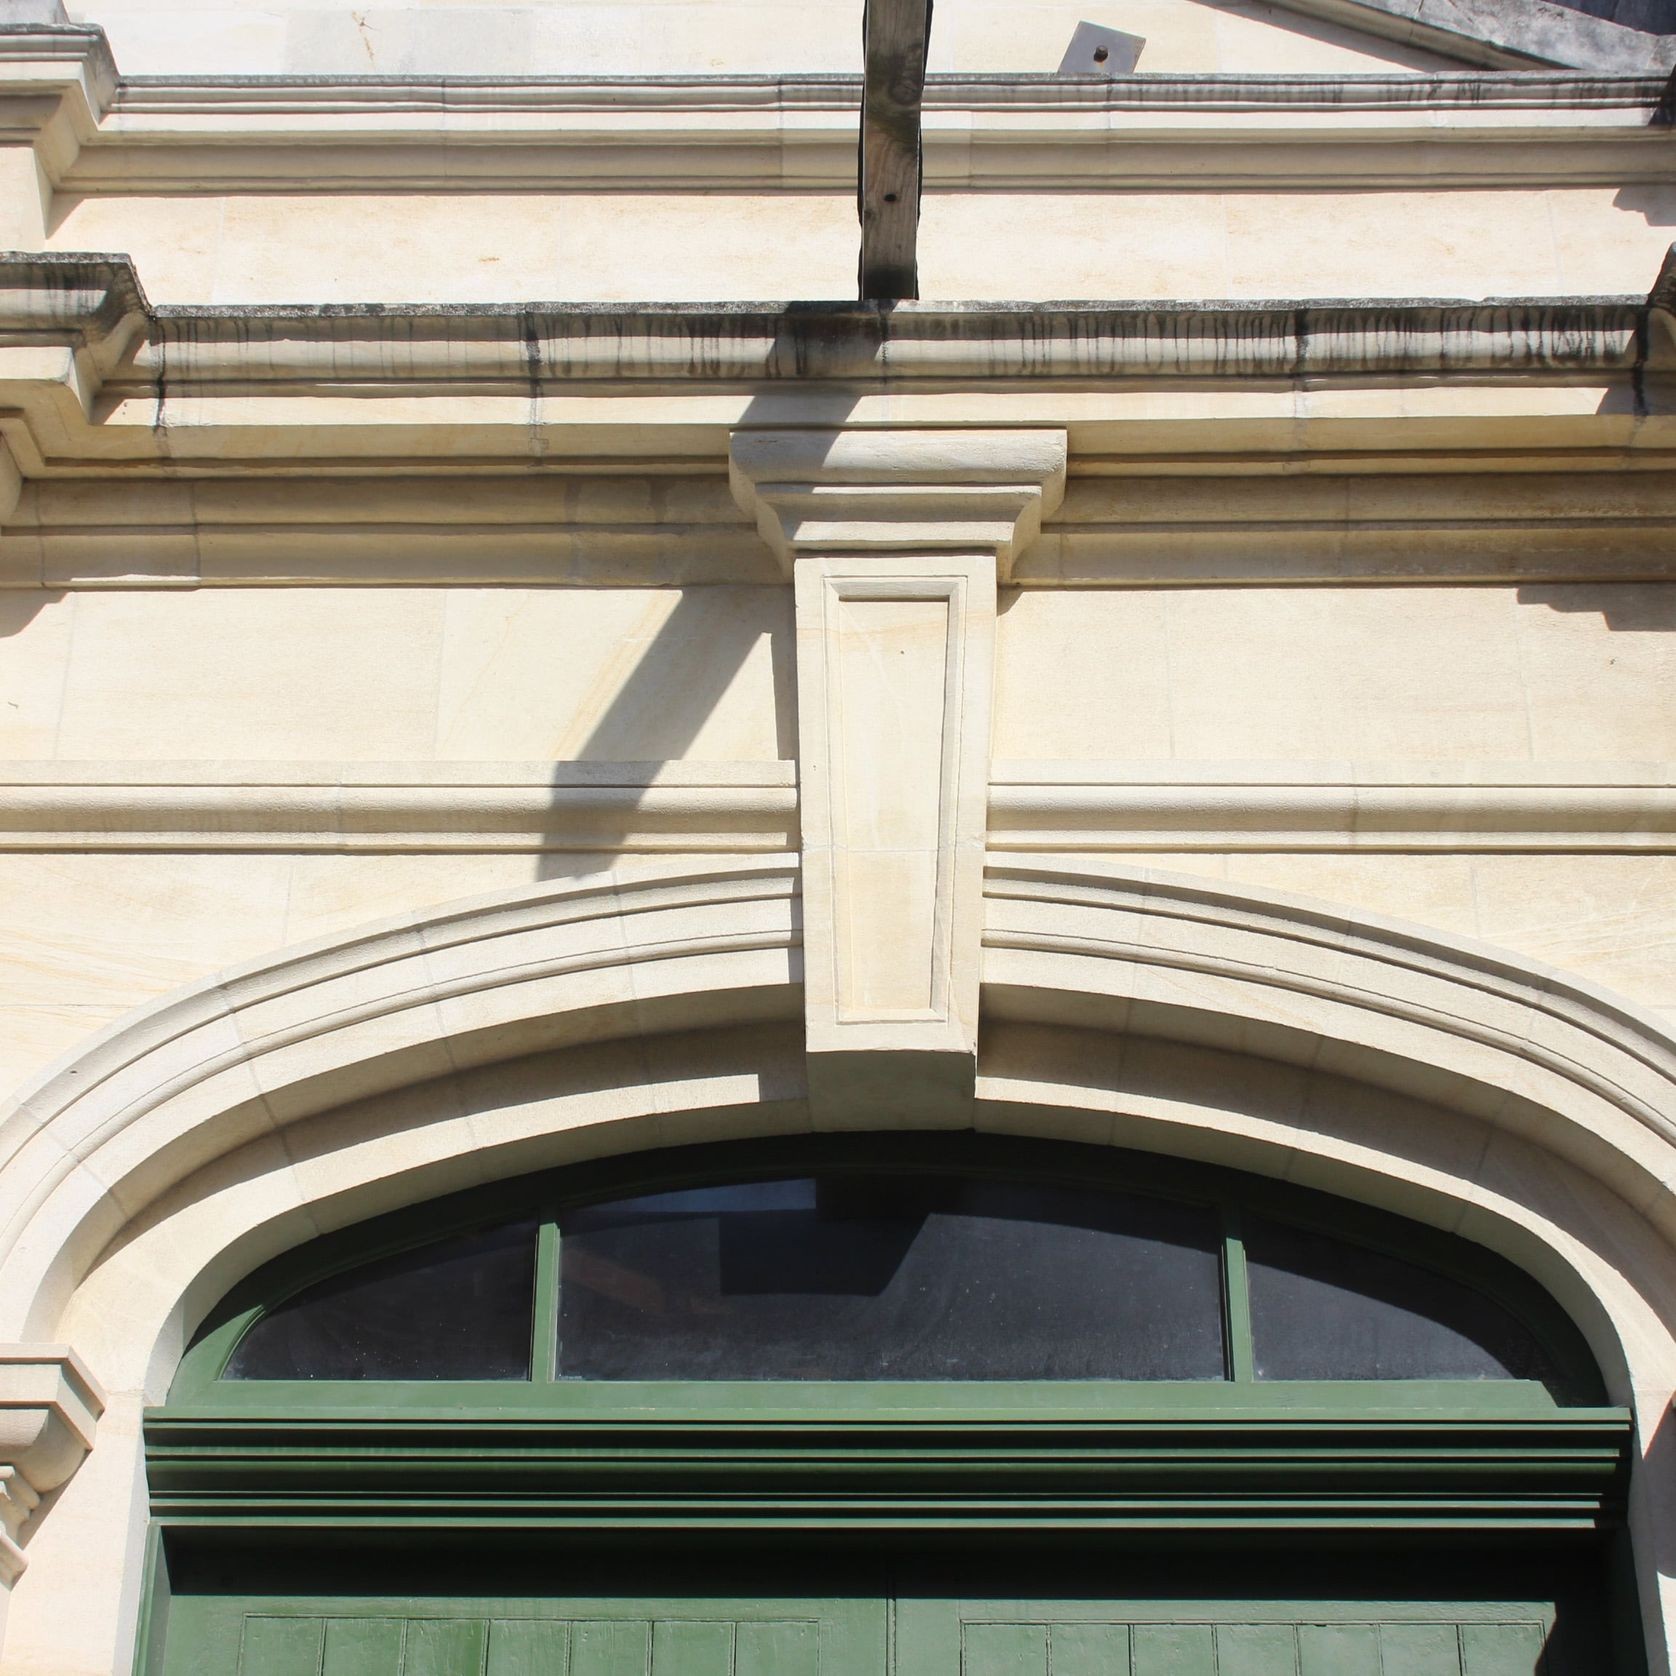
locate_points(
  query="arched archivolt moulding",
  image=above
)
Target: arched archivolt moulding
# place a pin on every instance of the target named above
(1437, 1078)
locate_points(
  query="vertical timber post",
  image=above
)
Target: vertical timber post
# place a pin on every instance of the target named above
(895, 36)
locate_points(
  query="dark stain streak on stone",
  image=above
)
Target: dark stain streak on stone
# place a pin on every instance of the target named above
(160, 383)
(533, 373)
(1638, 372)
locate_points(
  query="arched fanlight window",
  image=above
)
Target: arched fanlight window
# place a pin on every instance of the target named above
(922, 1272)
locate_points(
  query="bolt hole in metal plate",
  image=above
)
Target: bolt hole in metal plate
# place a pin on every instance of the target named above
(1097, 51)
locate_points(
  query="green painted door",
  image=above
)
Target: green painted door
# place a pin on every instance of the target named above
(767, 1617)
(1273, 1612)
(570, 1636)
(1227, 1638)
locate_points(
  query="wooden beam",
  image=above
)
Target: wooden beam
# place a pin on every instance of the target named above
(894, 36)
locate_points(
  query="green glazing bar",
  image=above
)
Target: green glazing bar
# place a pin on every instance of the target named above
(1236, 1299)
(544, 1354)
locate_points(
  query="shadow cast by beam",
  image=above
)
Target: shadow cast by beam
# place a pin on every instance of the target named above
(1628, 607)
(698, 651)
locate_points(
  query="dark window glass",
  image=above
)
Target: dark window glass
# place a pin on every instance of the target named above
(457, 1309)
(870, 1277)
(1324, 1309)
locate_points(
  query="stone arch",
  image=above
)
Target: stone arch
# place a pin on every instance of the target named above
(1432, 1076)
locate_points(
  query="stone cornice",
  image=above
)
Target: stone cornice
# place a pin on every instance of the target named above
(847, 342)
(93, 379)
(331, 96)
(97, 132)
(95, 301)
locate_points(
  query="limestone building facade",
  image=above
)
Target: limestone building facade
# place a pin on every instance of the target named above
(506, 668)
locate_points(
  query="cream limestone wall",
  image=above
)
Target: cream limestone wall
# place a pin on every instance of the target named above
(1554, 672)
(586, 37)
(589, 246)
(398, 674)
(1543, 673)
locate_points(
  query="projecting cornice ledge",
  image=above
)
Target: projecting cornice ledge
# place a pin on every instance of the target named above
(93, 376)
(96, 302)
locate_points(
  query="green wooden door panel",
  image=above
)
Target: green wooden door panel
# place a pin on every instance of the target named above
(278, 1646)
(895, 1616)
(1091, 1649)
(600, 1647)
(777, 1649)
(704, 1636)
(1338, 1650)
(1173, 1649)
(1005, 1650)
(846, 1638)
(530, 1647)
(1501, 1649)
(445, 1648)
(1226, 1638)
(363, 1647)
(1257, 1650)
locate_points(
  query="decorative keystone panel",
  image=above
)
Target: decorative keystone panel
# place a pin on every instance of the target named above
(49, 1404)
(894, 540)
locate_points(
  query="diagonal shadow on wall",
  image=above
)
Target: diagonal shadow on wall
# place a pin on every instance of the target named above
(686, 668)
(670, 690)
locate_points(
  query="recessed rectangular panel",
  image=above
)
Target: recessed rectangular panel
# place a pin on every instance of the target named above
(1260, 1636)
(280, 1646)
(611, 1649)
(1420, 1649)
(1089, 1650)
(1005, 1650)
(363, 1647)
(777, 1649)
(691, 1647)
(887, 709)
(445, 1647)
(528, 1647)
(1338, 1650)
(1256, 1650)
(1512, 1649)
(1174, 1650)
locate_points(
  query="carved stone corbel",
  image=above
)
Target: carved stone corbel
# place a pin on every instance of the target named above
(895, 540)
(49, 1403)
